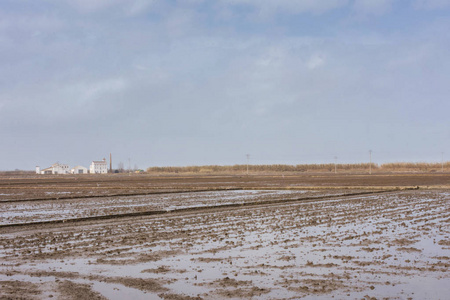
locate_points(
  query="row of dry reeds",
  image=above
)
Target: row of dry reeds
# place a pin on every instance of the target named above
(415, 166)
(16, 173)
(387, 167)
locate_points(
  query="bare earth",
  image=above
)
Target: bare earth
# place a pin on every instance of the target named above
(384, 236)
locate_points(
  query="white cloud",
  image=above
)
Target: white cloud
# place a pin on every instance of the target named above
(140, 6)
(92, 5)
(32, 24)
(85, 92)
(130, 7)
(267, 7)
(372, 7)
(315, 61)
(431, 4)
(180, 21)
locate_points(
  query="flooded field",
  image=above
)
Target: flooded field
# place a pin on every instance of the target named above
(389, 245)
(18, 212)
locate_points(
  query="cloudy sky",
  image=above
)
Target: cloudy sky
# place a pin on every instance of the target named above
(193, 82)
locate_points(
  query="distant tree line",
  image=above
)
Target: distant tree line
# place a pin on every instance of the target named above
(418, 166)
(16, 172)
(388, 167)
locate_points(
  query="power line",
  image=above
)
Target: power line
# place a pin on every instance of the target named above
(335, 168)
(248, 158)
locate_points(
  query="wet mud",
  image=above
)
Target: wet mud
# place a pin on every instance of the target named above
(392, 245)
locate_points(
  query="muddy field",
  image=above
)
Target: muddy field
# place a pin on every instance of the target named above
(25, 212)
(72, 186)
(311, 237)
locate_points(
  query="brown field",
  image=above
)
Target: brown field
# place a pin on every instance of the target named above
(311, 236)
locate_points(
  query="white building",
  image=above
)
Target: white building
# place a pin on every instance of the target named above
(60, 168)
(47, 171)
(99, 167)
(56, 168)
(79, 170)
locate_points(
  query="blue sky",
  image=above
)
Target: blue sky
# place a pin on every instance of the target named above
(205, 82)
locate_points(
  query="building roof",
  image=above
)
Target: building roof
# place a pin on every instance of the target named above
(59, 164)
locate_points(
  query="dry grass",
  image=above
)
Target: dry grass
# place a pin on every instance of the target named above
(355, 168)
(415, 166)
(260, 168)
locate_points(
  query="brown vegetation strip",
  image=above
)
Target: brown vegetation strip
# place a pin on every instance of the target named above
(361, 167)
(197, 208)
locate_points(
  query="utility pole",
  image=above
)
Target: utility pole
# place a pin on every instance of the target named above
(248, 158)
(129, 165)
(370, 163)
(335, 169)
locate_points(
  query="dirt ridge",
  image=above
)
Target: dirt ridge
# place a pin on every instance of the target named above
(198, 208)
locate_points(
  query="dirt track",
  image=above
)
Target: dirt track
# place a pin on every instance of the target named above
(392, 245)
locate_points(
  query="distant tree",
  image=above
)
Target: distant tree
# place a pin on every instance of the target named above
(120, 167)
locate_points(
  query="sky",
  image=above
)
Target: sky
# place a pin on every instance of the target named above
(200, 82)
